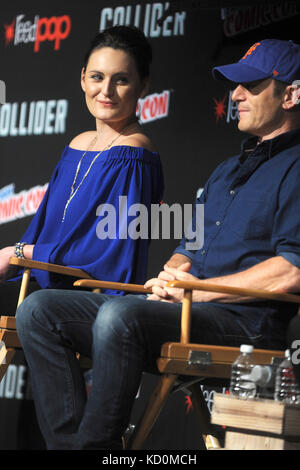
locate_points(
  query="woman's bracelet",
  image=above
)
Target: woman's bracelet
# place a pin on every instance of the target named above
(19, 249)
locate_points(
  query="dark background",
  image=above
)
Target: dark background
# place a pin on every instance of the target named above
(192, 139)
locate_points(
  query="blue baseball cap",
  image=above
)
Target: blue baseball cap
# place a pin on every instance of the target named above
(270, 58)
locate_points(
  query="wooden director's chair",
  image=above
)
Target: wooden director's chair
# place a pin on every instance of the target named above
(178, 360)
(181, 359)
(9, 341)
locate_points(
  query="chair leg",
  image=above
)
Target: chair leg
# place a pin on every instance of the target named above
(6, 358)
(24, 286)
(154, 407)
(206, 428)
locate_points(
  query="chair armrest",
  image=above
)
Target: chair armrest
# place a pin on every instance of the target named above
(257, 293)
(189, 286)
(54, 268)
(91, 283)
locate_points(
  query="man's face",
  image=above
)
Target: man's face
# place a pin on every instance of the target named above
(261, 112)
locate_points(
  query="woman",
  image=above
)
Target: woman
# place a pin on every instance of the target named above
(97, 167)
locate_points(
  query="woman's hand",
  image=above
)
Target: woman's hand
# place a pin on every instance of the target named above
(6, 270)
(169, 294)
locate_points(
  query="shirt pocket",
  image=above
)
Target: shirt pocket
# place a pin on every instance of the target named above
(250, 216)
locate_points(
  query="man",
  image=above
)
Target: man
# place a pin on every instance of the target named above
(252, 239)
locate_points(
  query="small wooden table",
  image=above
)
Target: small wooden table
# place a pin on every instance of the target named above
(257, 424)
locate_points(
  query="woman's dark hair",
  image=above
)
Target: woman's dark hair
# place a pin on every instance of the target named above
(128, 39)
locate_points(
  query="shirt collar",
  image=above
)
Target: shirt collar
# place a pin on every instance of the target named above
(269, 147)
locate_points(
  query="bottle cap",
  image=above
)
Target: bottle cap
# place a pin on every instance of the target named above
(246, 348)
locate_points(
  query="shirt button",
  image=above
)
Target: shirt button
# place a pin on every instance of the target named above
(218, 223)
(203, 252)
(232, 192)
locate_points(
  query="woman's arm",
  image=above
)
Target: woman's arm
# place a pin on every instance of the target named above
(7, 271)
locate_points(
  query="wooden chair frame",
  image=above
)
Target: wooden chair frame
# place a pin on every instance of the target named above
(177, 358)
(8, 333)
(210, 361)
(9, 340)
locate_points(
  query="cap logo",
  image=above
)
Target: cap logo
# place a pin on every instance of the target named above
(252, 48)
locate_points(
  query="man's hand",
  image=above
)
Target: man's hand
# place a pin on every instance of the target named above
(169, 294)
(181, 274)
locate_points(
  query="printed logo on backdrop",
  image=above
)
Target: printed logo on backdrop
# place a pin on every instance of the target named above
(240, 20)
(154, 19)
(37, 30)
(225, 108)
(14, 206)
(15, 384)
(154, 106)
(49, 117)
(33, 118)
(2, 92)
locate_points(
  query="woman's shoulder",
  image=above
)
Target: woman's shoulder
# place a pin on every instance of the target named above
(83, 140)
(138, 140)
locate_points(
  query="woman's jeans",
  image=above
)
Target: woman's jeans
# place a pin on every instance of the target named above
(123, 335)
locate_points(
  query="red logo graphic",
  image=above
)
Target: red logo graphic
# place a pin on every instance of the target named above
(220, 108)
(9, 32)
(14, 206)
(226, 108)
(152, 107)
(54, 29)
(189, 404)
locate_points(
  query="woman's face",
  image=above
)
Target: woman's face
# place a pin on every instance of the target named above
(112, 85)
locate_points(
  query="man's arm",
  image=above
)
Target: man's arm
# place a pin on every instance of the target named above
(177, 260)
(275, 274)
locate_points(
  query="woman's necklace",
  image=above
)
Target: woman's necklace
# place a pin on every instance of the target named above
(72, 193)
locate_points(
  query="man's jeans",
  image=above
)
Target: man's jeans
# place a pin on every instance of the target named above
(123, 335)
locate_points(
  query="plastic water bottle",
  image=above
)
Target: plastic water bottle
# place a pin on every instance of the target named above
(286, 388)
(262, 375)
(241, 384)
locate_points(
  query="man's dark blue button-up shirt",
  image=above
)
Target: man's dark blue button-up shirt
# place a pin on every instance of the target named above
(251, 211)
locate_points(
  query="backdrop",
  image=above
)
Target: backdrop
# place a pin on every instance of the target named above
(188, 115)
